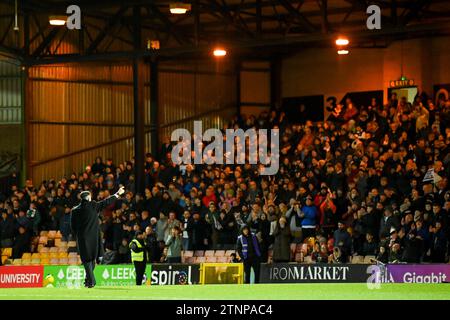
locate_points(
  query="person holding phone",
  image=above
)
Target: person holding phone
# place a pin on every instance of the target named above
(174, 245)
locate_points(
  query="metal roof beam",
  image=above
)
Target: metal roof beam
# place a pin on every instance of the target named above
(300, 17)
(104, 32)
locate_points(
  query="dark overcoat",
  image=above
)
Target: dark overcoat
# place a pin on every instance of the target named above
(85, 225)
(281, 245)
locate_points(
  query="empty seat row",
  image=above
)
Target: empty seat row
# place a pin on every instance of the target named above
(42, 249)
(48, 255)
(208, 253)
(52, 234)
(362, 259)
(46, 261)
(7, 252)
(44, 240)
(205, 259)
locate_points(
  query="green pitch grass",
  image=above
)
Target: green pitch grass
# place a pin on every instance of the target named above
(390, 291)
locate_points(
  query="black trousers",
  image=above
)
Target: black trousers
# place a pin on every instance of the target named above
(248, 265)
(139, 267)
(90, 278)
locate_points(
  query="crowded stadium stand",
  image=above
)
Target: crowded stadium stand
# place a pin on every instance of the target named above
(362, 116)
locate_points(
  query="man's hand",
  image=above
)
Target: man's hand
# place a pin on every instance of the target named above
(120, 192)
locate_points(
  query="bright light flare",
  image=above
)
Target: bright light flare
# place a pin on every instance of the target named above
(219, 52)
(341, 52)
(342, 42)
(57, 20)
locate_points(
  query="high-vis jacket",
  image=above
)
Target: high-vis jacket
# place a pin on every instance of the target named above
(139, 255)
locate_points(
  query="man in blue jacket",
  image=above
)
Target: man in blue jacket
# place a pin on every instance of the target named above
(250, 253)
(309, 215)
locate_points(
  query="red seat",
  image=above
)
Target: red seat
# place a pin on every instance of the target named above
(200, 259)
(199, 253)
(209, 253)
(222, 259)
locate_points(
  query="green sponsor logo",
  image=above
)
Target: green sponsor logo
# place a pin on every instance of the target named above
(64, 276)
(105, 275)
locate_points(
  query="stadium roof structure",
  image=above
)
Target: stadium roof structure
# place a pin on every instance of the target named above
(117, 29)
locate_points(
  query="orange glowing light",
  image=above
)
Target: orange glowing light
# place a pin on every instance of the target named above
(342, 52)
(342, 41)
(219, 52)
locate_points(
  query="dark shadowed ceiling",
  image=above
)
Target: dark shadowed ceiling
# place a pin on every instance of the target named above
(258, 28)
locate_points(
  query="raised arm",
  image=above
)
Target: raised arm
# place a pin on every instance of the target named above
(100, 205)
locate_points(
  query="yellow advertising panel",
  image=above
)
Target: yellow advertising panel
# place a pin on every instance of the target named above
(222, 273)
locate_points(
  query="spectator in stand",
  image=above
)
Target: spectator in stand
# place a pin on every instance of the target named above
(412, 247)
(227, 231)
(172, 222)
(439, 243)
(336, 256)
(98, 167)
(328, 216)
(199, 229)
(162, 227)
(21, 243)
(320, 253)
(124, 251)
(370, 247)
(394, 254)
(282, 240)
(64, 225)
(34, 217)
(7, 227)
(234, 258)
(343, 241)
(186, 235)
(309, 215)
(212, 218)
(295, 216)
(153, 250)
(174, 245)
(370, 158)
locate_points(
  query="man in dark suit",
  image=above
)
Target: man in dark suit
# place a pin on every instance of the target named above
(387, 222)
(85, 225)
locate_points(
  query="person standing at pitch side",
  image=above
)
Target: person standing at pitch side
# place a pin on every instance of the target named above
(85, 225)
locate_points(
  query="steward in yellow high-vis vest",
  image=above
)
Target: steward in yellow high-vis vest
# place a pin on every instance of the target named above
(139, 256)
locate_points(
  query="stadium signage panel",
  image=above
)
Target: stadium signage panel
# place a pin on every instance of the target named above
(63, 276)
(21, 276)
(117, 275)
(417, 273)
(167, 274)
(105, 275)
(401, 83)
(322, 273)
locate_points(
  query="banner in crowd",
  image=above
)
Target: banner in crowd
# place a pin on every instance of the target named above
(167, 274)
(310, 273)
(417, 273)
(105, 275)
(21, 276)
